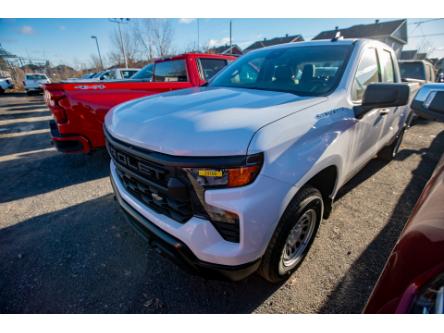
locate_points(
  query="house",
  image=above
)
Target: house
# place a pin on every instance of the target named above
(393, 33)
(274, 41)
(226, 49)
(408, 55)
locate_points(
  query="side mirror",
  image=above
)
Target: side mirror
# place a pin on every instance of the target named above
(383, 95)
(429, 102)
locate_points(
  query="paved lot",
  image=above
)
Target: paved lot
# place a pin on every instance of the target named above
(65, 248)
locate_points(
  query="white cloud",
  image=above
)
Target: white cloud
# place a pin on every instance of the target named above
(26, 30)
(218, 42)
(186, 20)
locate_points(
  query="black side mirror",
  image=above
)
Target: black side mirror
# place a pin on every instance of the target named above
(383, 95)
(429, 102)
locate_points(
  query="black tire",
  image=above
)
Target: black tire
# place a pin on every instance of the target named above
(307, 199)
(2, 91)
(389, 152)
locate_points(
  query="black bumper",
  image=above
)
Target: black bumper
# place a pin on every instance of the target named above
(67, 144)
(178, 252)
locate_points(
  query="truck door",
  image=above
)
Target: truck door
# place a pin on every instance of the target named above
(393, 120)
(367, 129)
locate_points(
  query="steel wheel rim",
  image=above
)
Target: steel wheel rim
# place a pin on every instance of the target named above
(299, 239)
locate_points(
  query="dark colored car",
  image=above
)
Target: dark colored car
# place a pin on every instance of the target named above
(413, 278)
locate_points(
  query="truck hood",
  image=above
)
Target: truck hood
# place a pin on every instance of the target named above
(201, 121)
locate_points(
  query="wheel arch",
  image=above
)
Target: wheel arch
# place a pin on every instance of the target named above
(326, 182)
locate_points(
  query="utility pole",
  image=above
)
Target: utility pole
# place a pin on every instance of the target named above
(120, 21)
(98, 50)
(231, 41)
(198, 36)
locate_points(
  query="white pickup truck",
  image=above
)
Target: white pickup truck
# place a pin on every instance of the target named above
(236, 176)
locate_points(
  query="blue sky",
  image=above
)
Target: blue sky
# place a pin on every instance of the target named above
(68, 40)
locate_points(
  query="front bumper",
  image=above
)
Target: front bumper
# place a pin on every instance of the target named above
(68, 143)
(177, 251)
(258, 205)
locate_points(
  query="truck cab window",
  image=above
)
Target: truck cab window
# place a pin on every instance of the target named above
(388, 72)
(211, 67)
(367, 72)
(170, 71)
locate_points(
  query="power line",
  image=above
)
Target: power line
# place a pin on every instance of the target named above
(425, 21)
(427, 35)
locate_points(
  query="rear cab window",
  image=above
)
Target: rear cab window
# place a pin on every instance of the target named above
(170, 71)
(412, 70)
(209, 67)
(35, 77)
(368, 72)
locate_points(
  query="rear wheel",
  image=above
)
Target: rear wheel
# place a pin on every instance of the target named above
(293, 236)
(389, 152)
(2, 91)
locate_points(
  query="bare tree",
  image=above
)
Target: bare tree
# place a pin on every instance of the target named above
(129, 43)
(95, 62)
(155, 37)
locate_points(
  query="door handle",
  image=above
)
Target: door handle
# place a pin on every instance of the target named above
(384, 112)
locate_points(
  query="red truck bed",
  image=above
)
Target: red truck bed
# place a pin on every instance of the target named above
(79, 108)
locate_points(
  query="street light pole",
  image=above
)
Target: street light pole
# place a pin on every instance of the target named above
(119, 22)
(98, 51)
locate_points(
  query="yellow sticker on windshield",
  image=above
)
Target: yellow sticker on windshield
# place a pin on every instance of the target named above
(210, 173)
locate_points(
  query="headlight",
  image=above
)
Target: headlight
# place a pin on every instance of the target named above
(228, 177)
(430, 298)
(226, 222)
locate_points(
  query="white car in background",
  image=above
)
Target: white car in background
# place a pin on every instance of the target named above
(33, 82)
(5, 83)
(114, 74)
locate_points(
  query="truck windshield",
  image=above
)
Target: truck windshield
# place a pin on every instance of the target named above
(412, 70)
(301, 70)
(146, 73)
(35, 77)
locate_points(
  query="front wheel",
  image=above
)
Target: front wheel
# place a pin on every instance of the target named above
(293, 236)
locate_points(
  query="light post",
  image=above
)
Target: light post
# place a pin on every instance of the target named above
(98, 51)
(120, 21)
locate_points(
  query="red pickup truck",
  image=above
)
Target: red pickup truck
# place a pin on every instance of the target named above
(79, 108)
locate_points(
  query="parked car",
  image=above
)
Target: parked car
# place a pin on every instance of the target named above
(440, 70)
(83, 77)
(236, 176)
(5, 83)
(422, 70)
(114, 74)
(79, 107)
(413, 278)
(416, 73)
(34, 82)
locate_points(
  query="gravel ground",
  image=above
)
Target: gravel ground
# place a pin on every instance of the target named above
(65, 248)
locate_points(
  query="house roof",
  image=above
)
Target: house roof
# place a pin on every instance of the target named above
(364, 30)
(226, 49)
(408, 54)
(274, 41)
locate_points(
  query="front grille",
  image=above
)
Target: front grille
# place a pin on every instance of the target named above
(163, 188)
(150, 183)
